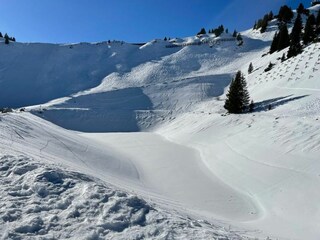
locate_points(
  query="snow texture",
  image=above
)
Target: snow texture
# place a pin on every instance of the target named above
(40, 201)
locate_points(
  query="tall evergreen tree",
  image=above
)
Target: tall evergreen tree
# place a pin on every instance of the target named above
(318, 19)
(309, 30)
(6, 39)
(238, 96)
(284, 39)
(270, 16)
(295, 38)
(202, 31)
(274, 44)
(250, 68)
(264, 23)
(255, 25)
(318, 23)
(285, 14)
(235, 33)
(1, 36)
(300, 8)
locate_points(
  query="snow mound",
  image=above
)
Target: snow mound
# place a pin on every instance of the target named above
(45, 202)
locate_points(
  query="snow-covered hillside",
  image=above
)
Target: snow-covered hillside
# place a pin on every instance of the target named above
(179, 157)
(40, 198)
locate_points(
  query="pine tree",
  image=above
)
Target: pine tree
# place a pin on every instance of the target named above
(283, 58)
(239, 37)
(285, 14)
(227, 31)
(264, 23)
(274, 44)
(235, 33)
(318, 23)
(309, 30)
(6, 39)
(238, 96)
(300, 8)
(318, 19)
(270, 16)
(284, 39)
(1, 36)
(165, 39)
(202, 31)
(255, 25)
(259, 24)
(250, 68)
(295, 38)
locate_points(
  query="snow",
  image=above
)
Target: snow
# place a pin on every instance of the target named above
(126, 141)
(40, 201)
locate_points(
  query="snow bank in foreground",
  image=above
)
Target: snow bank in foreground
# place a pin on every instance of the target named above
(44, 202)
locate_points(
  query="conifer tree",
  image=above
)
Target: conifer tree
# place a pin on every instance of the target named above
(274, 44)
(264, 23)
(285, 14)
(309, 30)
(295, 38)
(250, 68)
(1, 36)
(318, 19)
(235, 33)
(259, 24)
(318, 23)
(300, 8)
(284, 39)
(6, 39)
(238, 96)
(202, 31)
(270, 16)
(255, 25)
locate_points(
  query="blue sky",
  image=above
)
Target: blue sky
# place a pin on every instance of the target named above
(59, 21)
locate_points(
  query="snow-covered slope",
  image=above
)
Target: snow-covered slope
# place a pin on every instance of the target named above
(257, 171)
(40, 199)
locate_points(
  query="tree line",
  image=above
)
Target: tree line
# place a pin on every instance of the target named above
(7, 39)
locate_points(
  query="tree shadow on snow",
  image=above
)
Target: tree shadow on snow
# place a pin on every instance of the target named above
(275, 102)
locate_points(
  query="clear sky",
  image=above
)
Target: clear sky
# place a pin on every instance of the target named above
(62, 21)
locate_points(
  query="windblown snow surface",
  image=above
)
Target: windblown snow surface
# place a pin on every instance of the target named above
(132, 142)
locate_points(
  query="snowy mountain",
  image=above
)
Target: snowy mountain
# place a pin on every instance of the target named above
(124, 141)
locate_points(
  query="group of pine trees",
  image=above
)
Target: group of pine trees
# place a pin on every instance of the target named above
(262, 23)
(307, 34)
(217, 31)
(238, 98)
(7, 39)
